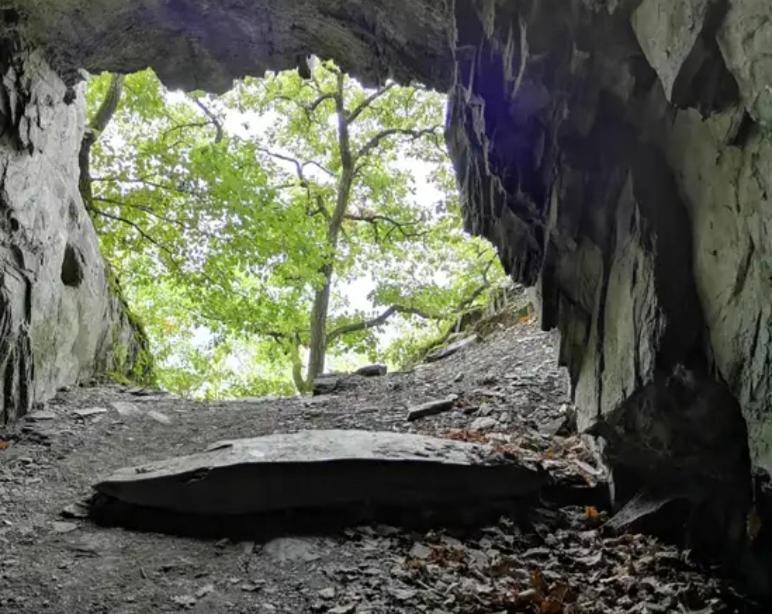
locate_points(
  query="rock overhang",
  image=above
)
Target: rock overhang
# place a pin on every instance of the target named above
(199, 44)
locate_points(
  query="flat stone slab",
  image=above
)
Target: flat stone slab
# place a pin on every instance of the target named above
(90, 412)
(453, 348)
(126, 409)
(324, 469)
(431, 408)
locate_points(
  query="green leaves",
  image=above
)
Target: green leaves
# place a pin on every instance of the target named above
(216, 214)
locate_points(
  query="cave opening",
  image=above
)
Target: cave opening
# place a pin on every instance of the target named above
(295, 225)
(640, 271)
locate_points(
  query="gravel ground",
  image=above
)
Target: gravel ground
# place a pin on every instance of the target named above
(547, 559)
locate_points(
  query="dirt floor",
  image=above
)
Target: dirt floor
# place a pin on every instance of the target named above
(551, 559)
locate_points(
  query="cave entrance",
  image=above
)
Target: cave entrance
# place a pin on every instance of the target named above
(297, 224)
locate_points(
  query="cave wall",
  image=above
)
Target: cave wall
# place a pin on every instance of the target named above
(60, 322)
(617, 153)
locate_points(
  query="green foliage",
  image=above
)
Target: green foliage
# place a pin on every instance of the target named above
(215, 214)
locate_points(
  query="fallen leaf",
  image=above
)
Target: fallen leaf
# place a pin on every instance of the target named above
(4, 445)
(551, 606)
(592, 513)
(538, 583)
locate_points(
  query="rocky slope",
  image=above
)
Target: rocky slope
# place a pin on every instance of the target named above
(616, 151)
(545, 556)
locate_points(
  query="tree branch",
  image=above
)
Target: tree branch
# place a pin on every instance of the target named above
(109, 105)
(373, 219)
(377, 321)
(367, 103)
(213, 119)
(151, 212)
(96, 126)
(300, 165)
(376, 140)
(138, 228)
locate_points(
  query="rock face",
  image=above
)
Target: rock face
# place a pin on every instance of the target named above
(617, 152)
(621, 166)
(59, 322)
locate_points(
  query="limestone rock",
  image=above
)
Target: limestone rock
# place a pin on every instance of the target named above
(60, 323)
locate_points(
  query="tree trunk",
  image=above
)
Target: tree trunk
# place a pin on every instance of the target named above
(97, 125)
(318, 345)
(297, 368)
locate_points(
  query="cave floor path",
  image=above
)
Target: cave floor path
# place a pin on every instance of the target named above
(552, 559)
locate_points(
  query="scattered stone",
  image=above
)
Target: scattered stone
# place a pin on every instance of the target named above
(485, 423)
(649, 512)
(328, 593)
(487, 392)
(126, 409)
(372, 371)
(431, 408)
(486, 409)
(41, 416)
(555, 427)
(326, 384)
(159, 417)
(64, 527)
(184, 601)
(348, 608)
(293, 549)
(204, 591)
(249, 587)
(403, 594)
(453, 348)
(420, 551)
(89, 412)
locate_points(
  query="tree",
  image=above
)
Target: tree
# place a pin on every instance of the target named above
(257, 230)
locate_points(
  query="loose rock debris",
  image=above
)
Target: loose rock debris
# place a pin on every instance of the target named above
(545, 557)
(431, 408)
